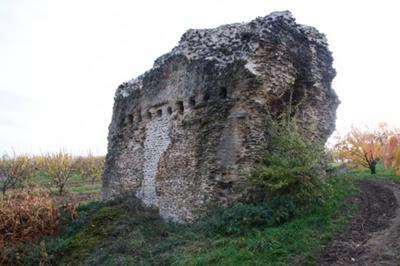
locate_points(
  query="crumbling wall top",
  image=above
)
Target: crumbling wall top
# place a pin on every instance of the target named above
(228, 43)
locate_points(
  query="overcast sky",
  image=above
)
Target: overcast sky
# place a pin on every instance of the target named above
(61, 61)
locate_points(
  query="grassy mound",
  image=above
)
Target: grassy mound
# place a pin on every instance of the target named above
(121, 232)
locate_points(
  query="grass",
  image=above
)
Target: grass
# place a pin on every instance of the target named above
(85, 188)
(76, 184)
(120, 232)
(381, 173)
(43, 179)
(298, 241)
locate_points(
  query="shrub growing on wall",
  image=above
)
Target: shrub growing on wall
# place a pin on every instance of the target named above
(290, 173)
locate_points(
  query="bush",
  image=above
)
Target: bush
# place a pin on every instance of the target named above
(236, 220)
(26, 217)
(291, 172)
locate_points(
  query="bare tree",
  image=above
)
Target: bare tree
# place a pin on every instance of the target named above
(14, 171)
(59, 167)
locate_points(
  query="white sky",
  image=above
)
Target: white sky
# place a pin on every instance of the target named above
(61, 61)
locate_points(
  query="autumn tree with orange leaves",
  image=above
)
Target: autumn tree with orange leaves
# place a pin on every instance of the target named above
(392, 154)
(365, 148)
(360, 149)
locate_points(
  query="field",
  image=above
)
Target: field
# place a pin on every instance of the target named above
(79, 189)
(67, 179)
(37, 191)
(122, 232)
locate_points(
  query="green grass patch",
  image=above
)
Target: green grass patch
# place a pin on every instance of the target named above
(298, 241)
(41, 178)
(85, 188)
(381, 173)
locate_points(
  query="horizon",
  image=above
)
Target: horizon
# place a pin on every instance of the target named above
(63, 62)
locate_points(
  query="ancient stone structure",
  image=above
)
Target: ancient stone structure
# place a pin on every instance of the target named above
(187, 133)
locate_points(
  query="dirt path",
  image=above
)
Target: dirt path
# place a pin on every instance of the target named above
(372, 236)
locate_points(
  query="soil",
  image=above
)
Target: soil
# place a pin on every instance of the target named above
(372, 236)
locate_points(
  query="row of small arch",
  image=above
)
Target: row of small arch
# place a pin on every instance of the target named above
(179, 106)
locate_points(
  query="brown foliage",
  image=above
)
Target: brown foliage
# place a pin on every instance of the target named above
(392, 154)
(71, 209)
(26, 217)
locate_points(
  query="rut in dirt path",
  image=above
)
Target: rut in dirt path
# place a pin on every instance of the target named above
(372, 236)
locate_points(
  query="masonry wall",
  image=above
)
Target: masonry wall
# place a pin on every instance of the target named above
(187, 133)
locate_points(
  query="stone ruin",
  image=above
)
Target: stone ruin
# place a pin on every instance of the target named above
(187, 133)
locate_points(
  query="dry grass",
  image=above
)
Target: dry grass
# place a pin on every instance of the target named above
(26, 217)
(30, 210)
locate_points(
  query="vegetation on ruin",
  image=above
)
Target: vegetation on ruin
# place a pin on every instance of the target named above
(292, 170)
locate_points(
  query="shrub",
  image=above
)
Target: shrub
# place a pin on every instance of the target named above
(236, 220)
(26, 217)
(291, 171)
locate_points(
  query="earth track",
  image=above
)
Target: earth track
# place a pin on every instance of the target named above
(372, 236)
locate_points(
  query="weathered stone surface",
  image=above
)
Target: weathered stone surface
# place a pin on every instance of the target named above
(187, 133)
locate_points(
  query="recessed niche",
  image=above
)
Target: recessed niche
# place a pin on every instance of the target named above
(169, 110)
(149, 115)
(223, 92)
(179, 105)
(130, 119)
(139, 115)
(192, 101)
(159, 112)
(206, 97)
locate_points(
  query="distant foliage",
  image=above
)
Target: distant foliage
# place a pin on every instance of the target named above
(291, 172)
(15, 171)
(26, 217)
(89, 166)
(392, 154)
